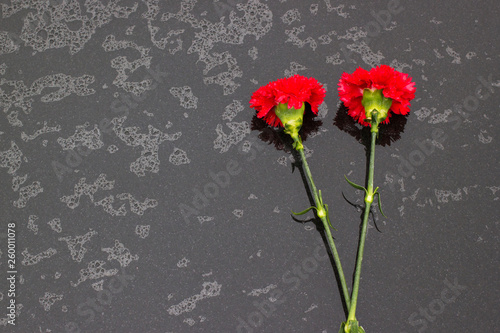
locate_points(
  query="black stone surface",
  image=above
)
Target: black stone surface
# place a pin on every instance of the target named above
(182, 219)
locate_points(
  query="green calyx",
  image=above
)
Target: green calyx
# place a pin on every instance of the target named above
(376, 107)
(351, 326)
(291, 119)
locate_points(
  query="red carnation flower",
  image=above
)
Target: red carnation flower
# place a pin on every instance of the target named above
(292, 91)
(394, 85)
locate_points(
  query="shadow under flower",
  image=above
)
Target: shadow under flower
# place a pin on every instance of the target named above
(278, 138)
(388, 133)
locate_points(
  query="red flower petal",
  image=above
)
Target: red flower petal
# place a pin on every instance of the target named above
(395, 85)
(293, 91)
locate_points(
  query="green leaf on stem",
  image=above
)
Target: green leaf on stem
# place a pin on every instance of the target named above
(304, 211)
(328, 217)
(380, 204)
(356, 186)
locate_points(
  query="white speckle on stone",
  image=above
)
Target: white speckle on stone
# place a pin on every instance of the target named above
(238, 213)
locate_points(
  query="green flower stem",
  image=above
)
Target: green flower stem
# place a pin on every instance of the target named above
(368, 202)
(322, 215)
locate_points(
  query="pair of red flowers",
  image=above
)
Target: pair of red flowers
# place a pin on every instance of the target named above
(294, 91)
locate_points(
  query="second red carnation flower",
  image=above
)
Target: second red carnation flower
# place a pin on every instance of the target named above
(394, 85)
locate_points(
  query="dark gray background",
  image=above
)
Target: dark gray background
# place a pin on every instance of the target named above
(441, 198)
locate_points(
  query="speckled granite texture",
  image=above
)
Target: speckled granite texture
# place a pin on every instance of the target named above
(147, 198)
